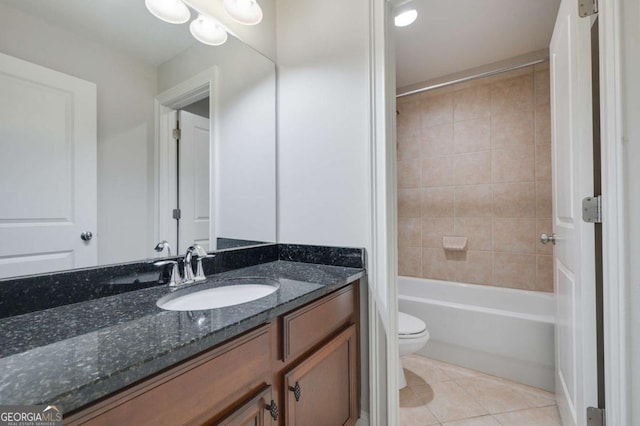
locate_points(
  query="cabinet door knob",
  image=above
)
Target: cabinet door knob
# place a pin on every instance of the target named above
(546, 238)
(297, 391)
(86, 236)
(272, 409)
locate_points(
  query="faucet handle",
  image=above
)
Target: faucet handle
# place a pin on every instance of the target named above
(175, 279)
(199, 270)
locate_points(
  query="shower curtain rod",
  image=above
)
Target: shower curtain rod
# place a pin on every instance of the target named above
(471, 77)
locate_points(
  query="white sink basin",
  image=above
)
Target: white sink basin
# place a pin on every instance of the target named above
(236, 292)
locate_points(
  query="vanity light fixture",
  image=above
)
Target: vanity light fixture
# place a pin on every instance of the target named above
(171, 11)
(208, 31)
(204, 28)
(405, 18)
(246, 12)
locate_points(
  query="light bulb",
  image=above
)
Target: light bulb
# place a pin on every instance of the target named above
(208, 31)
(406, 18)
(172, 11)
(247, 12)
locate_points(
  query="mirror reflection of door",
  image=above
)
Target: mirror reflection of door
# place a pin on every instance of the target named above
(47, 171)
(193, 177)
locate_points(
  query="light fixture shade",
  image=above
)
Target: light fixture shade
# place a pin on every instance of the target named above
(208, 31)
(247, 12)
(405, 18)
(172, 11)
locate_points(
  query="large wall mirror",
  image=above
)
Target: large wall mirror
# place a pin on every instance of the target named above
(92, 168)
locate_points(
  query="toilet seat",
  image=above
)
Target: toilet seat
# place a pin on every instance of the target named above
(410, 327)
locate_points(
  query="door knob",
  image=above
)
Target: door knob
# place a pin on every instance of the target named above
(86, 236)
(546, 238)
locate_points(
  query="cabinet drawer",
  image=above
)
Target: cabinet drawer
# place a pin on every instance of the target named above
(192, 393)
(307, 326)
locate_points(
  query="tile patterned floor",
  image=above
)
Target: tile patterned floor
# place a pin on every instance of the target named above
(438, 393)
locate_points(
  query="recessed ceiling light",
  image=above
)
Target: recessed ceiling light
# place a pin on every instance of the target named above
(406, 18)
(171, 11)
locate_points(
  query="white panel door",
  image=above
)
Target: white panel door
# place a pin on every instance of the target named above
(194, 178)
(574, 270)
(47, 169)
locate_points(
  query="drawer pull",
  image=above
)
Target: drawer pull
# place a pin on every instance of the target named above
(297, 391)
(272, 409)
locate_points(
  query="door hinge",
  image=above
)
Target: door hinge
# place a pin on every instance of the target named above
(592, 209)
(587, 8)
(596, 416)
(176, 214)
(177, 134)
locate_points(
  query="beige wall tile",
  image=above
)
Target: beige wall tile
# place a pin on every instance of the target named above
(513, 164)
(409, 201)
(437, 171)
(544, 273)
(542, 87)
(543, 161)
(472, 103)
(409, 232)
(472, 135)
(514, 200)
(514, 270)
(408, 99)
(541, 66)
(543, 199)
(543, 124)
(409, 148)
(469, 84)
(473, 201)
(478, 230)
(436, 110)
(544, 226)
(410, 261)
(514, 235)
(475, 268)
(437, 202)
(473, 168)
(437, 140)
(435, 265)
(514, 93)
(409, 173)
(408, 120)
(512, 128)
(434, 228)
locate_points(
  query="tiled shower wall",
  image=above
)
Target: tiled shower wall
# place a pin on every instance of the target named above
(474, 160)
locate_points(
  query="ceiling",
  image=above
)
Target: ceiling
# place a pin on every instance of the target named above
(124, 25)
(450, 36)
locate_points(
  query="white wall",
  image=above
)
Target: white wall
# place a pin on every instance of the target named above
(126, 89)
(323, 113)
(631, 117)
(244, 135)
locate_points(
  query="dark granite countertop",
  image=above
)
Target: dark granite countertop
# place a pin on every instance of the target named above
(75, 354)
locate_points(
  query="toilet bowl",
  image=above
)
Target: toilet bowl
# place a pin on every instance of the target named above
(412, 336)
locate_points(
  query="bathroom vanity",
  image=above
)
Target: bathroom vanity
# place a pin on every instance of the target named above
(291, 357)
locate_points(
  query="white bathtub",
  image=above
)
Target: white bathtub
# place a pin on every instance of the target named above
(503, 332)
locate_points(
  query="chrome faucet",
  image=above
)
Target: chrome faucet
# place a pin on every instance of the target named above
(188, 277)
(164, 244)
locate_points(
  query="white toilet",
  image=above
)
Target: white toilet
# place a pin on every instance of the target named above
(412, 336)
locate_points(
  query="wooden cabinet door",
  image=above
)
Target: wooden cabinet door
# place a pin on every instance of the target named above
(261, 410)
(322, 390)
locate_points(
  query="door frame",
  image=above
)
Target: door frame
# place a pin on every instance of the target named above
(165, 106)
(614, 227)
